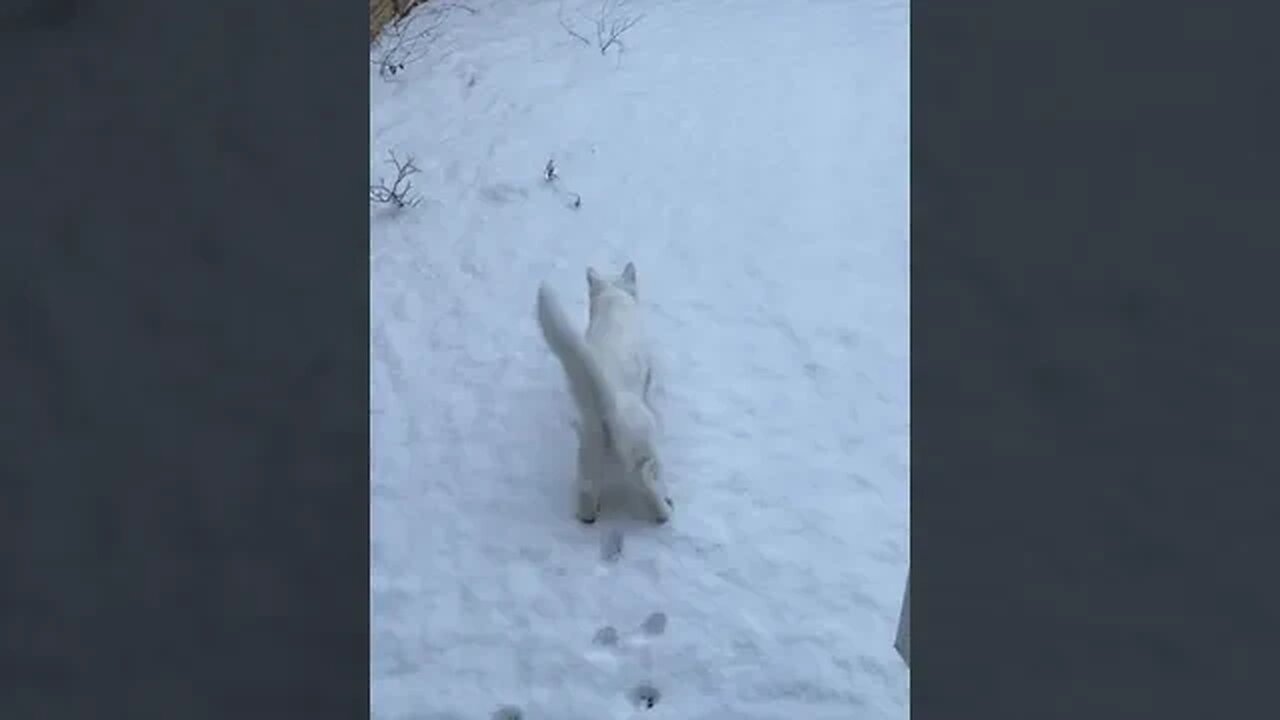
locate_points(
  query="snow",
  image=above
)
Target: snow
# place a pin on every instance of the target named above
(751, 157)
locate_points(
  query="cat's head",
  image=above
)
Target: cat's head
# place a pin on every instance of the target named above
(600, 285)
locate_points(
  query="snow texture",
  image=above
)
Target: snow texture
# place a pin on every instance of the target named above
(751, 157)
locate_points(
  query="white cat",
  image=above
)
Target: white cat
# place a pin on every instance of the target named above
(610, 376)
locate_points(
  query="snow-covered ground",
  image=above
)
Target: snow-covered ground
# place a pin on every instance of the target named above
(751, 157)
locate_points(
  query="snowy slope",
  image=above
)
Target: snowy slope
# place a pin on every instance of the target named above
(751, 157)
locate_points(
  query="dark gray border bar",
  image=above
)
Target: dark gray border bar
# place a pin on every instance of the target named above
(184, 300)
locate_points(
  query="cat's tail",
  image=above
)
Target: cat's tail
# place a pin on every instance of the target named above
(587, 382)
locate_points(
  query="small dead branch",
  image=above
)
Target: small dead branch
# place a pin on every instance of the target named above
(569, 28)
(551, 176)
(610, 22)
(617, 25)
(458, 6)
(399, 193)
(402, 44)
(399, 47)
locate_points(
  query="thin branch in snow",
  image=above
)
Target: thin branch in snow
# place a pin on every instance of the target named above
(402, 45)
(567, 28)
(551, 176)
(610, 22)
(616, 25)
(398, 48)
(399, 193)
(616, 29)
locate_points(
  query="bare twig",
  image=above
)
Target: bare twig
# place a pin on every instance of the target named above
(459, 6)
(398, 48)
(551, 176)
(401, 45)
(616, 29)
(565, 24)
(398, 194)
(610, 23)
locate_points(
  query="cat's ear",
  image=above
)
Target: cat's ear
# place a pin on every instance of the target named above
(627, 280)
(595, 283)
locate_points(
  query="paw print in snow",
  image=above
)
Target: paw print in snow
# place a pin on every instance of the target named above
(655, 624)
(611, 546)
(645, 696)
(607, 636)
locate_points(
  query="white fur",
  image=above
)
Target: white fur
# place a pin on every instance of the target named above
(610, 376)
